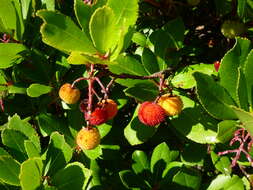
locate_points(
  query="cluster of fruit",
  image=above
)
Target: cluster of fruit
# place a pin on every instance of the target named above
(150, 113)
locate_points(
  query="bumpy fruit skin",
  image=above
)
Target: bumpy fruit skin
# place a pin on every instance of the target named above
(88, 138)
(98, 116)
(193, 2)
(110, 107)
(68, 94)
(172, 105)
(151, 114)
(231, 29)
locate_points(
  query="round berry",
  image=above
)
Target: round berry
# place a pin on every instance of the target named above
(69, 94)
(172, 105)
(151, 114)
(88, 138)
(98, 116)
(110, 107)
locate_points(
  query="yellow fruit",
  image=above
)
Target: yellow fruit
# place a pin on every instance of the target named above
(88, 138)
(110, 107)
(172, 105)
(68, 94)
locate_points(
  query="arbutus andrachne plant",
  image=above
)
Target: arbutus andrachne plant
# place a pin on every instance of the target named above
(130, 94)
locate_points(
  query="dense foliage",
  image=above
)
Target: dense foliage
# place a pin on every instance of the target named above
(126, 94)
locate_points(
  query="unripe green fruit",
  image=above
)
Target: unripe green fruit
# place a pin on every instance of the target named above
(193, 2)
(231, 29)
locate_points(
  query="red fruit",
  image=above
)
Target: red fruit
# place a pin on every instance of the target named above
(110, 107)
(216, 65)
(98, 116)
(151, 113)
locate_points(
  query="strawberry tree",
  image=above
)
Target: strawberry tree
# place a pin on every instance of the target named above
(108, 94)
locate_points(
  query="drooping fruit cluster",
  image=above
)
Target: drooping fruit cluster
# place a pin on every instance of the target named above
(172, 105)
(104, 111)
(88, 138)
(231, 29)
(152, 114)
(69, 94)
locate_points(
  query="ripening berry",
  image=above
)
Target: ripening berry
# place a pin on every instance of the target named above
(68, 94)
(88, 138)
(110, 107)
(231, 29)
(172, 105)
(216, 65)
(98, 116)
(151, 114)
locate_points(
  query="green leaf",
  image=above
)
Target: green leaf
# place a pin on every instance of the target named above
(241, 8)
(127, 65)
(49, 4)
(136, 132)
(94, 153)
(226, 182)
(195, 124)
(8, 15)
(193, 154)
(25, 8)
(31, 174)
(143, 91)
(125, 11)
(221, 163)
(73, 176)
(159, 160)
(25, 128)
(246, 118)
(248, 71)
(20, 23)
(36, 90)
(149, 61)
(139, 39)
(16, 89)
(130, 180)
(141, 162)
(242, 91)
(58, 153)
(226, 130)
(230, 63)
(9, 170)
(3, 152)
(213, 97)
(84, 12)
(10, 53)
(184, 79)
(187, 178)
(103, 30)
(61, 32)
(14, 140)
(31, 149)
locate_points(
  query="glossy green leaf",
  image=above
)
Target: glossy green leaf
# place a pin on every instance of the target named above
(248, 71)
(20, 22)
(195, 124)
(49, 4)
(126, 12)
(8, 15)
(226, 182)
(130, 180)
(149, 61)
(36, 90)
(159, 160)
(103, 30)
(241, 8)
(25, 8)
(58, 154)
(31, 174)
(136, 132)
(246, 118)
(31, 149)
(213, 97)
(193, 154)
(61, 32)
(3, 152)
(228, 70)
(14, 140)
(16, 89)
(221, 163)
(187, 178)
(144, 91)
(141, 162)
(184, 79)
(226, 130)
(25, 128)
(10, 53)
(242, 91)
(94, 153)
(139, 39)
(9, 170)
(72, 176)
